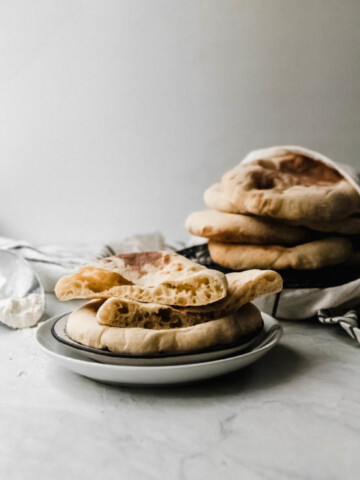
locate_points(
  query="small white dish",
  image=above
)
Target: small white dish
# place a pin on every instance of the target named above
(58, 330)
(159, 375)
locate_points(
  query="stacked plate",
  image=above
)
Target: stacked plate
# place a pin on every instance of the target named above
(107, 367)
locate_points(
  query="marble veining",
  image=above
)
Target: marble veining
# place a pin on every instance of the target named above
(292, 415)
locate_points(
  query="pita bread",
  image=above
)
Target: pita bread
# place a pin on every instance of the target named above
(228, 227)
(216, 197)
(246, 287)
(283, 184)
(83, 328)
(347, 226)
(160, 277)
(243, 287)
(311, 255)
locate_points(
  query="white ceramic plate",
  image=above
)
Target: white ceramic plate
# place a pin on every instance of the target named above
(154, 375)
(104, 356)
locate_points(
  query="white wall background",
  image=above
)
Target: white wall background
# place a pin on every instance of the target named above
(116, 115)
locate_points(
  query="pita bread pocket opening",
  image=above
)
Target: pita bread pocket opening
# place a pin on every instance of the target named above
(243, 287)
(161, 277)
(307, 256)
(286, 184)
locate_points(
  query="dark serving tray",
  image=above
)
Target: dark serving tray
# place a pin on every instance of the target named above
(321, 278)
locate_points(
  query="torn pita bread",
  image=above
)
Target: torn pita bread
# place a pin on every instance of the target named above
(160, 277)
(239, 327)
(286, 183)
(243, 287)
(311, 255)
(237, 228)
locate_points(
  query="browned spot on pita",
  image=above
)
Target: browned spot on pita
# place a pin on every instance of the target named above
(305, 171)
(98, 278)
(138, 261)
(207, 230)
(263, 180)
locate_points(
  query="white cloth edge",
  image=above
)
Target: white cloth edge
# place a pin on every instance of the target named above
(347, 171)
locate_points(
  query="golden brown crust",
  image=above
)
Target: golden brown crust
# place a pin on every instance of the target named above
(346, 226)
(162, 277)
(83, 327)
(311, 255)
(243, 287)
(237, 228)
(285, 185)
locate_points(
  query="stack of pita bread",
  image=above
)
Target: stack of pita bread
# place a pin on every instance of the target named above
(161, 302)
(282, 207)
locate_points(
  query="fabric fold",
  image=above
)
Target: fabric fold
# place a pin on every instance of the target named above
(51, 262)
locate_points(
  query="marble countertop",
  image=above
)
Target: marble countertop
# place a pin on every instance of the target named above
(292, 415)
